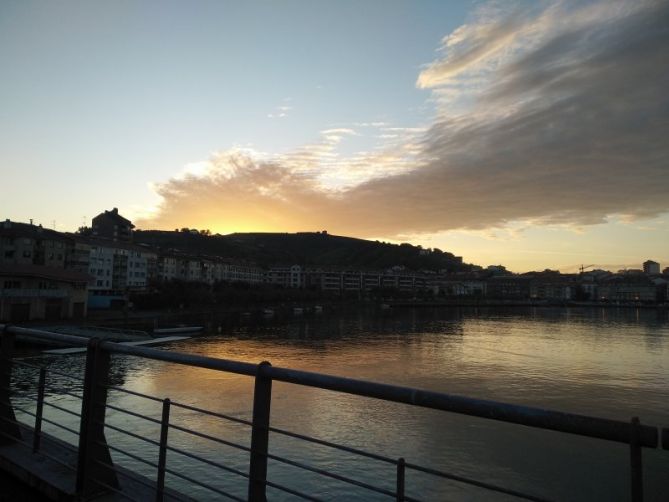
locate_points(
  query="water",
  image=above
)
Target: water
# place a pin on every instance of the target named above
(606, 363)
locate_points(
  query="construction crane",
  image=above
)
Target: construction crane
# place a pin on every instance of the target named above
(582, 268)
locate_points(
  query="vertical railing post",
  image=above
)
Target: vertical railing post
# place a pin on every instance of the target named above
(162, 452)
(399, 491)
(37, 434)
(8, 427)
(262, 398)
(636, 464)
(94, 457)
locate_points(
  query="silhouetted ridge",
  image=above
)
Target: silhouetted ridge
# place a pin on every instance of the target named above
(302, 248)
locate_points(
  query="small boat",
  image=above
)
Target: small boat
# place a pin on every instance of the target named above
(268, 312)
(298, 310)
(318, 309)
(179, 329)
(385, 306)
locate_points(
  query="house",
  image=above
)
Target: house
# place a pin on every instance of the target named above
(30, 292)
(28, 244)
(111, 225)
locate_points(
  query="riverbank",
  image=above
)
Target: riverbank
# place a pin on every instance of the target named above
(521, 303)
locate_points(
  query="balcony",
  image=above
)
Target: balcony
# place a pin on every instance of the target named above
(34, 293)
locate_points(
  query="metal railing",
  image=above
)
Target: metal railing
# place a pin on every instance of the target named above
(96, 472)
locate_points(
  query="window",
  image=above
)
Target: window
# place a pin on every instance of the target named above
(27, 254)
(98, 283)
(12, 284)
(9, 254)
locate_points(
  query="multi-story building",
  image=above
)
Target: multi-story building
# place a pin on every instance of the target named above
(651, 267)
(117, 268)
(288, 277)
(244, 272)
(30, 292)
(508, 287)
(628, 288)
(28, 244)
(111, 225)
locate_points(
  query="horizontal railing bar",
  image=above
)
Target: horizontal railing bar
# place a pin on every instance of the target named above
(139, 479)
(76, 433)
(57, 460)
(27, 396)
(138, 415)
(127, 454)
(134, 393)
(203, 485)
(480, 484)
(60, 373)
(323, 442)
(212, 363)
(19, 362)
(62, 409)
(291, 491)
(206, 461)
(14, 438)
(65, 393)
(601, 428)
(30, 447)
(207, 436)
(213, 413)
(612, 430)
(338, 477)
(132, 434)
(48, 335)
(22, 410)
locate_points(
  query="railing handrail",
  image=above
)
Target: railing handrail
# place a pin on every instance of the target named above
(583, 425)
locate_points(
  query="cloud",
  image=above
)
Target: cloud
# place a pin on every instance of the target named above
(282, 110)
(567, 123)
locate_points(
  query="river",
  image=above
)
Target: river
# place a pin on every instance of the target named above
(601, 362)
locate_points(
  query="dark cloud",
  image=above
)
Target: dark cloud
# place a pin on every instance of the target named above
(573, 130)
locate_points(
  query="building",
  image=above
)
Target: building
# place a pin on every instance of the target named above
(509, 287)
(288, 277)
(117, 268)
(28, 244)
(29, 292)
(628, 288)
(651, 267)
(111, 225)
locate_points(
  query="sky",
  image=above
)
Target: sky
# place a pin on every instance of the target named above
(525, 133)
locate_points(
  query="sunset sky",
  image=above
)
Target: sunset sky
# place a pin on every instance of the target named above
(531, 134)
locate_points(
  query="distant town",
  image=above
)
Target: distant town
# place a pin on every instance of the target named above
(50, 275)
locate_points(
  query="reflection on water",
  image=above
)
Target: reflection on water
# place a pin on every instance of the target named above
(607, 363)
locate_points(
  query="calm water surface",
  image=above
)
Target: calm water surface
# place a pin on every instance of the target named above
(606, 363)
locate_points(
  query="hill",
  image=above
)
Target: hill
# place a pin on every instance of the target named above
(304, 248)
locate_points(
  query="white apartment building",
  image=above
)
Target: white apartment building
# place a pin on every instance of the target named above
(101, 267)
